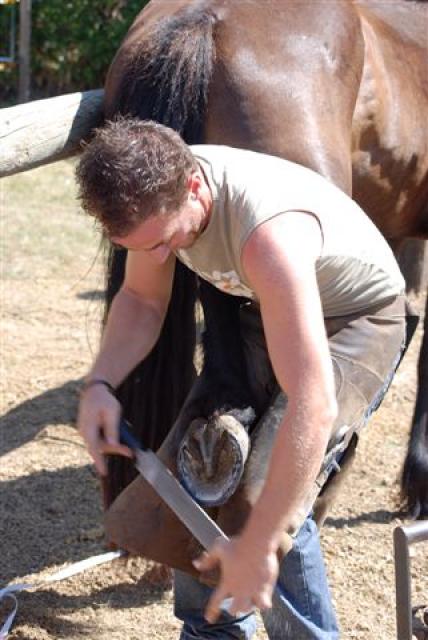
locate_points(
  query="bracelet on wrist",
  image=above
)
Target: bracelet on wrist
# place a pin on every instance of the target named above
(94, 381)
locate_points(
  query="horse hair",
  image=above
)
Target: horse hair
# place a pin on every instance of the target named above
(166, 79)
(171, 69)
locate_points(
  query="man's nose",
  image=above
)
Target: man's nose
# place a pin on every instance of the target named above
(161, 253)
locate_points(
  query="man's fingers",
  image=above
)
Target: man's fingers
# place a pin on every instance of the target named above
(110, 426)
(98, 459)
(98, 446)
(236, 607)
(98, 420)
(91, 437)
(213, 608)
(100, 449)
(206, 561)
(240, 607)
(263, 600)
(115, 449)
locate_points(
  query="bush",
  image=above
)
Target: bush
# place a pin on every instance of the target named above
(73, 43)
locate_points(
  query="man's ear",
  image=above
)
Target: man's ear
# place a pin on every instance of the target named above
(194, 183)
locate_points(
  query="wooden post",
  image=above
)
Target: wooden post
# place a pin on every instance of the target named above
(24, 50)
(44, 131)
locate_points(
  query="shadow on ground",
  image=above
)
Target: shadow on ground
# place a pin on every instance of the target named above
(49, 518)
(49, 611)
(95, 294)
(381, 516)
(22, 423)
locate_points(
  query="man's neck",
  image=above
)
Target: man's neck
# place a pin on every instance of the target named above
(206, 200)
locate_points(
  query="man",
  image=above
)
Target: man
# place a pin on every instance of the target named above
(310, 260)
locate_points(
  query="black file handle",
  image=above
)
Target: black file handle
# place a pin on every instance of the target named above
(126, 437)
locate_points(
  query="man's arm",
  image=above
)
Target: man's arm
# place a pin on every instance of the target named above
(279, 261)
(132, 330)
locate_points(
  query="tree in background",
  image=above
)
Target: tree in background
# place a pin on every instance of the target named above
(73, 43)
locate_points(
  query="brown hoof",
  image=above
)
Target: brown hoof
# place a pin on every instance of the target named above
(211, 458)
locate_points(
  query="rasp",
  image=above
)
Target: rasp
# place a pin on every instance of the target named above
(166, 485)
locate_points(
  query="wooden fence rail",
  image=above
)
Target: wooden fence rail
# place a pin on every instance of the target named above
(44, 131)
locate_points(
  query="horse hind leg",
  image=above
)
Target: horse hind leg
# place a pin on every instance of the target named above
(414, 481)
(220, 397)
(334, 483)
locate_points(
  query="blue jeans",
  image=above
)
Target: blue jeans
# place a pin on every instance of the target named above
(302, 607)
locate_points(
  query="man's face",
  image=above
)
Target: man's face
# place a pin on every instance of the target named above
(162, 234)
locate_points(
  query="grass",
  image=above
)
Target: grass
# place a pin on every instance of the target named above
(44, 233)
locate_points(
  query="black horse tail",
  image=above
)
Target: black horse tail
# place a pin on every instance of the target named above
(166, 79)
(414, 480)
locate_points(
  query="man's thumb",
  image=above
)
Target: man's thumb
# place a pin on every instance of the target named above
(205, 562)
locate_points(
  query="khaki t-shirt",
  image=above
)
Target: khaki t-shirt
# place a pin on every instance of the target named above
(356, 268)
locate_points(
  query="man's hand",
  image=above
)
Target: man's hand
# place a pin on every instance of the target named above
(98, 420)
(248, 576)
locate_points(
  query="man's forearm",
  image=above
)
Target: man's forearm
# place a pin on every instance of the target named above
(296, 458)
(131, 332)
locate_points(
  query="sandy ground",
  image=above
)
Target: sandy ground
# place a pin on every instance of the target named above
(50, 507)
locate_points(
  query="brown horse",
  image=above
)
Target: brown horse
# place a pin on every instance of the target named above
(340, 87)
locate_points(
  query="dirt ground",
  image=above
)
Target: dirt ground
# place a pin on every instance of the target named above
(51, 290)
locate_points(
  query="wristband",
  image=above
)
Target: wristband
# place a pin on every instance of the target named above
(91, 383)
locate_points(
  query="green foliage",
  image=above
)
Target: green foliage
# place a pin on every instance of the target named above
(73, 43)
(7, 32)
(7, 20)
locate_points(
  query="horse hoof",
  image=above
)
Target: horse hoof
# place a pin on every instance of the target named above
(211, 458)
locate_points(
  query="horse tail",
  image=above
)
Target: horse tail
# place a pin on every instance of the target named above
(166, 79)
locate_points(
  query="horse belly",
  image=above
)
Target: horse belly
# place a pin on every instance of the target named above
(390, 137)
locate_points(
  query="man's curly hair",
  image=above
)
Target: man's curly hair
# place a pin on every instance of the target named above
(131, 170)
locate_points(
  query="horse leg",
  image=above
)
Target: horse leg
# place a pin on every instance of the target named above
(332, 488)
(224, 363)
(138, 520)
(414, 480)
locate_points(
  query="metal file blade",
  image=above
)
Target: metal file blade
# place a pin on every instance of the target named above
(166, 485)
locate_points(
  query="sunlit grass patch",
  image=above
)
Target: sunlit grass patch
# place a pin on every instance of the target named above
(44, 232)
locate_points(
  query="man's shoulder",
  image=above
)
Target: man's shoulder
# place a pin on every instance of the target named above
(216, 149)
(250, 167)
(224, 153)
(219, 153)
